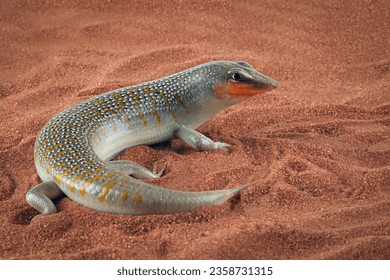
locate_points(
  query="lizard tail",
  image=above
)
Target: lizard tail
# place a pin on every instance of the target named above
(151, 199)
(166, 201)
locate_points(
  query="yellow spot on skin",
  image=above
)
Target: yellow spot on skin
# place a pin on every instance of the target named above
(97, 170)
(109, 185)
(154, 112)
(117, 95)
(45, 141)
(101, 102)
(97, 177)
(125, 180)
(113, 125)
(82, 190)
(88, 182)
(124, 195)
(58, 178)
(78, 178)
(137, 198)
(147, 90)
(97, 112)
(138, 109)
(57, 146)
(71, 186)
(76, 167)
(103, 131)
(126, 118)
(101, 198)
(156, 117)
(67, 171)
(49, 167)
(142, 118)
(106, 189)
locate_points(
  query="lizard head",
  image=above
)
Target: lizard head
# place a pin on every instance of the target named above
(239, 80)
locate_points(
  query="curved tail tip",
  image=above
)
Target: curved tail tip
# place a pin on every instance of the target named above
(240, 188)
(230, 193)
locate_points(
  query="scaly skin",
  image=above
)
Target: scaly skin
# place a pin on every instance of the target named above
(74, 149)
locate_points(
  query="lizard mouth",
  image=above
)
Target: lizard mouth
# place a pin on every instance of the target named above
(241, 91)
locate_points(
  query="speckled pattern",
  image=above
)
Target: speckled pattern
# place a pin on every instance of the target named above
(74, 148)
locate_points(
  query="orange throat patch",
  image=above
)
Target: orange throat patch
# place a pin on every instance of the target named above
(238, 91)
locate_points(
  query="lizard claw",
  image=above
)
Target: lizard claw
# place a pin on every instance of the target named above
(221, 145)
(158, 174)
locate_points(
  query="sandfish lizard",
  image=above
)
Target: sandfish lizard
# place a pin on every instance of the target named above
(73, 152)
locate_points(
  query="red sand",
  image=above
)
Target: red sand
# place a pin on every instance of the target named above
(316, 150)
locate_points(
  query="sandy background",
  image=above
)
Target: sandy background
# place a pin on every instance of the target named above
(317, 150)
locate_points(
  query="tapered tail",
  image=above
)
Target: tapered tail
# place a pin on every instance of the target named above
(167, 201)
(221, 196)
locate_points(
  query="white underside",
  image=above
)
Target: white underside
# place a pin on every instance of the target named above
(116, 140)
(122, 138)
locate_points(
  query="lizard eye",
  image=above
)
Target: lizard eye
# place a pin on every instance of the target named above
(236, 77)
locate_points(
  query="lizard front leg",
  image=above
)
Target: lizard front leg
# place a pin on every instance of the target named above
(197, 140)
